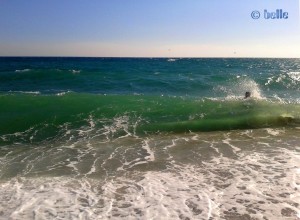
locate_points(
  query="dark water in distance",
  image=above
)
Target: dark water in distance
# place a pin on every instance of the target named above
(160, 76)
(140, 138)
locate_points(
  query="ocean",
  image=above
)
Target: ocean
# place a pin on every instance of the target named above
(149, 138)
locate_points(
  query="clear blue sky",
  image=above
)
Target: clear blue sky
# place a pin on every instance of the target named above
(148, 28)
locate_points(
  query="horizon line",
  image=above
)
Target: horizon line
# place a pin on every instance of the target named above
(150, 57)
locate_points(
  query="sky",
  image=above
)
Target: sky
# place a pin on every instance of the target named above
(148, 28)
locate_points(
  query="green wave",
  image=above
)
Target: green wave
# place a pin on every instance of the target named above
(48, 115)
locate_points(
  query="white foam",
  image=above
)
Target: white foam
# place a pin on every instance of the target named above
(188, 193)
(171, 145)
(27, 92)
(196, 193)
(22, 71)
(294, 75)
(159, 196)
(258, 177)
(62, 93)
(270, 80)
(238, 89)
(150, 153)
(75, 71)
(171, 60)
(120, 123)
(273, 132)
(234, 148)
(48, 198)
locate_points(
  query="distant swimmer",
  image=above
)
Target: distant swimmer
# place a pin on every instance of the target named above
(247, 95)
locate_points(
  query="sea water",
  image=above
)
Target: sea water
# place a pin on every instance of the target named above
(142, 138)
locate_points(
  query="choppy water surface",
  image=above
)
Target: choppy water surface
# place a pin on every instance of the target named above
(87, 138)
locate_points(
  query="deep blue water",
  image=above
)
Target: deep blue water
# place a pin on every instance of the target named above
(156, 76)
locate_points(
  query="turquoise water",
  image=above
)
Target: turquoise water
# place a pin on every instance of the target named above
(142, 138)
(163, 94)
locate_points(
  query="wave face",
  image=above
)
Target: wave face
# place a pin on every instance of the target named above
(46, 116)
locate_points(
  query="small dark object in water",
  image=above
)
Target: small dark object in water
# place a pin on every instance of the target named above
(247, 95)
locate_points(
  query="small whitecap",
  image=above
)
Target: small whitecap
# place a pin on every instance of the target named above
(26, 92)
(171, 60)
(62, 93)
(294, 75)
(75, 71)
(22, 71)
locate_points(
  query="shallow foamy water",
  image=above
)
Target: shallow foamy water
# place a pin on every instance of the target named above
(217, 175)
